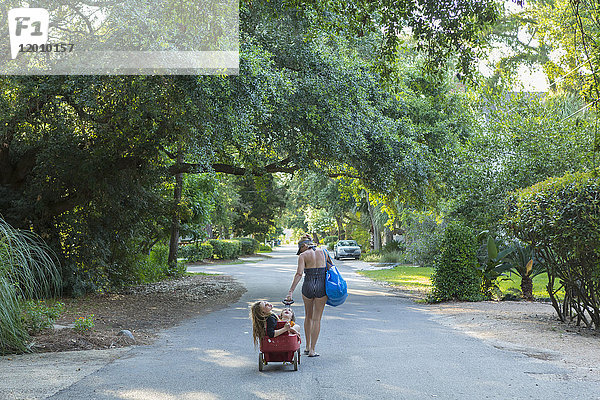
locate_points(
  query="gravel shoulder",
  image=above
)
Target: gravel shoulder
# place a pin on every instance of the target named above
(529, 328)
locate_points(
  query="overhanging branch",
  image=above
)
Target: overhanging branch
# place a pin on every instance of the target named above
(279, 166)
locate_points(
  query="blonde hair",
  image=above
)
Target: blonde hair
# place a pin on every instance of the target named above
(259, 321)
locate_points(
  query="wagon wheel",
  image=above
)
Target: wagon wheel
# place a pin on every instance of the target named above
(296, 361)
(261, 361)
(298, 356)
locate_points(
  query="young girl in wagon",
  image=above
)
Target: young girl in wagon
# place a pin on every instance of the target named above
(264, 321)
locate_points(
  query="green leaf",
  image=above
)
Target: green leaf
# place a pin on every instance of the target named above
(492, 248)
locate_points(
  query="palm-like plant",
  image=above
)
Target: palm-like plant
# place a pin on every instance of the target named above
(525, 264)
(27, 271)
(493, 264)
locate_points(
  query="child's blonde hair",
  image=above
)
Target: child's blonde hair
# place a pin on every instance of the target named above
(259, 321)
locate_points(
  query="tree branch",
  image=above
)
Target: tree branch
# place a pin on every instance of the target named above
(278, 166)
(342, 174)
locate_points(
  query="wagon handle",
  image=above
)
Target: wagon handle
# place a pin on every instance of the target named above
(287, 302)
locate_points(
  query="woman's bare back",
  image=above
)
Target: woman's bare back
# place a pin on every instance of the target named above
(313, 259)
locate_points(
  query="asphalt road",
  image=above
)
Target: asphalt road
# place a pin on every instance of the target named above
(375, 346)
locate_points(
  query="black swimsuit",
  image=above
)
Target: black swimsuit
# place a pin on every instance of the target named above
(314, 282)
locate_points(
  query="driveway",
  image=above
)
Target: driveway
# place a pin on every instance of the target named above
(375, 346)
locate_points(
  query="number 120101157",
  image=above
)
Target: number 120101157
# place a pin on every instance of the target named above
(46, 48)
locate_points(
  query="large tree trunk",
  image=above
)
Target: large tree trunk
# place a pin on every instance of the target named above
(389, 235)
(209, 231)
(374, 228)
(340, 228)
(315, 237)
(175, 223)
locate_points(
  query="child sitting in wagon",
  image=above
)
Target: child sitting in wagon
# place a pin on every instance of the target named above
(264, 321)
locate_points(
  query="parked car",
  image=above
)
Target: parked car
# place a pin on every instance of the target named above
(346, 249)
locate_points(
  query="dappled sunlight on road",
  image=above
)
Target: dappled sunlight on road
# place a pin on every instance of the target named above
(224, 358)
(371, 292)
(148, 394)
(385, 331)
(348, 317)
(327, 317)
(272, 394)
(287, 270)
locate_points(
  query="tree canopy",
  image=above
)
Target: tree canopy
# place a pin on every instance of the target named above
(88, 161)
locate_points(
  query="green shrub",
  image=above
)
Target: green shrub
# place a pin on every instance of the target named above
(249, 245)
(187, 251)
(456, 277)
(394, 246)
(196, 252)
(265, 248)
(372, 256)
(37, 315)
(128, 270)
(205, 251)
(137, 268)
(217, 247)
(424, 238)
(226, 249)
(560, 218)
(159, 255)
(154, 267)
(84, 324)
(232, 249)
(392, 257)
(329, 239)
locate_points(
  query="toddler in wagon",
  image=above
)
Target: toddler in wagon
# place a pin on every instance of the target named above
(264, 321)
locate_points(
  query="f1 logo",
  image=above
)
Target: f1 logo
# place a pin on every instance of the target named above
(27, 26)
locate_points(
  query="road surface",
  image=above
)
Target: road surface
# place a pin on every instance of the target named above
(375, 346)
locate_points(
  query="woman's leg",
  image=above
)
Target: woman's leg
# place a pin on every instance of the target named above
(315, 322)
(308, 315)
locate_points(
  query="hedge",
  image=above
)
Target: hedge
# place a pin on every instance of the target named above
(265, 247)
(560, 218)
(456, 277)
(249, 245)
(226, 249)
(196, 252)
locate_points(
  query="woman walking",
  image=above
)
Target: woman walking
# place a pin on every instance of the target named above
(312, 265)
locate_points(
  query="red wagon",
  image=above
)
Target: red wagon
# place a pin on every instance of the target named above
(283, 348)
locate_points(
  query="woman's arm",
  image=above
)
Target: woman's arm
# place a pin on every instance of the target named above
(297, 276)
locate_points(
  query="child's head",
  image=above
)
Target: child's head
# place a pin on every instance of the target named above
(259, 312)
(287, 315)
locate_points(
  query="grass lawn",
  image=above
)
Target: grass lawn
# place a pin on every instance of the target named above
(404, 275)
(539, 285)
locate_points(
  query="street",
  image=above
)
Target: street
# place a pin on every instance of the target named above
(375, 346)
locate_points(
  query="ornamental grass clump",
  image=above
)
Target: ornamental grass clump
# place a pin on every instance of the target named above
(28, 271)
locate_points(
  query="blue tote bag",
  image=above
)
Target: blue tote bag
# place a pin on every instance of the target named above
(335, 286)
